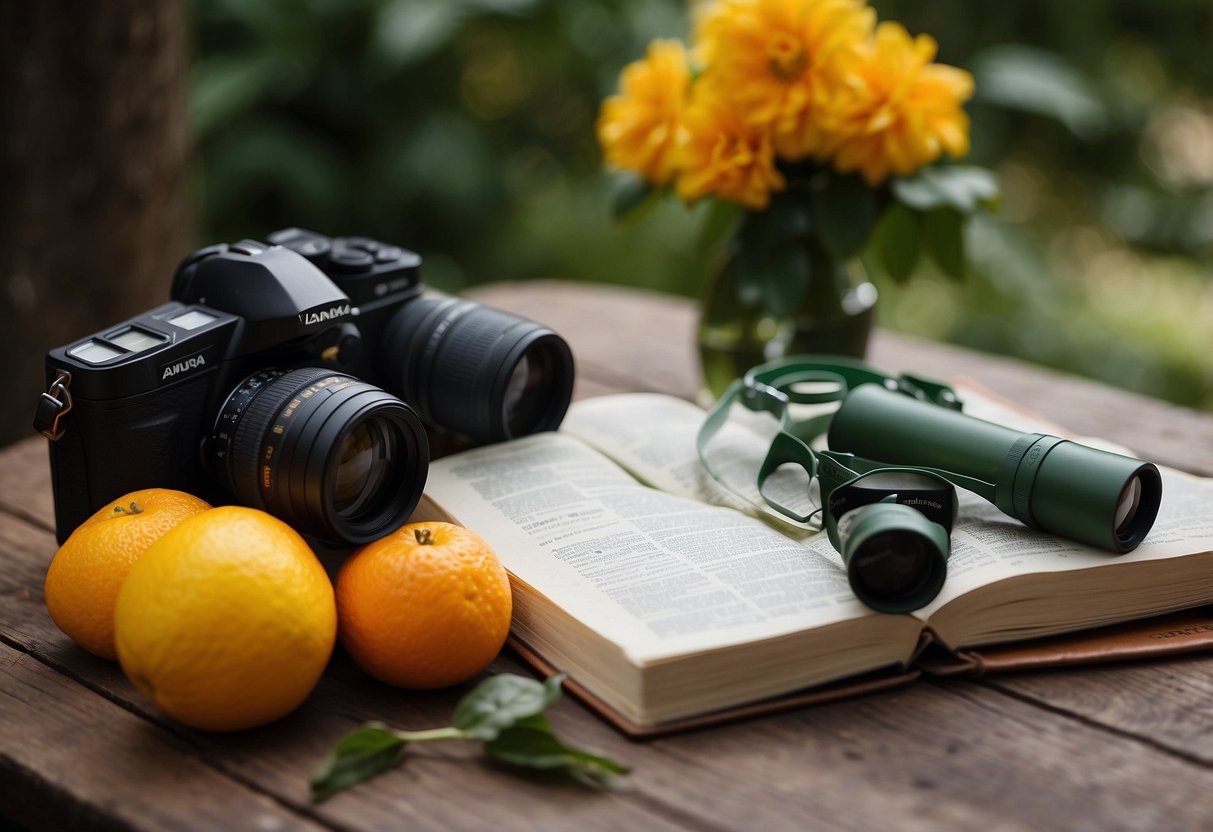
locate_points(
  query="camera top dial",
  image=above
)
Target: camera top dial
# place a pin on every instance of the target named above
(369, 271)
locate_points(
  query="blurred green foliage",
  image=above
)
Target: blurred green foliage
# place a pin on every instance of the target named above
(464, 129)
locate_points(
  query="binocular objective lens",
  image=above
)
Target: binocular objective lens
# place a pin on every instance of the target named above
(1126, 506)
(363, 467)
(892, 564)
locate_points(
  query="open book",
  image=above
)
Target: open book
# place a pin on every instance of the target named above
(666, 597)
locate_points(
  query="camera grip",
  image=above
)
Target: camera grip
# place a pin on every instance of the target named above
(110, 448)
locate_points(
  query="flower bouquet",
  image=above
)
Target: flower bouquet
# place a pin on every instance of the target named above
(820, 126)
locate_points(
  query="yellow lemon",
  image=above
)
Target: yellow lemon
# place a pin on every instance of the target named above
(227, 621)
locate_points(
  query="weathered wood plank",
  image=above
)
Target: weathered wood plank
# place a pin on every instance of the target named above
(927, 757)
(937, 756)
(69, 759)
(1168, 703)
(25, 482)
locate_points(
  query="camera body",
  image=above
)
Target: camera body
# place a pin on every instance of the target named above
(376, 278)
(256, 385)
(474, 374)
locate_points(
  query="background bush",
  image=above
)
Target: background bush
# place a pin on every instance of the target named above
(464, 129)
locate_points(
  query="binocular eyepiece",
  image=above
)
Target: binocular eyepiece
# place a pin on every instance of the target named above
(892, 528)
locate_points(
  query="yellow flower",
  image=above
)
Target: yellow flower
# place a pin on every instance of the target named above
(895, 110)
(774, 59)
(638, 128)
(722, 155)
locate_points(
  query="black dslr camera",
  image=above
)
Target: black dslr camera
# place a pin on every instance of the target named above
(275, 379)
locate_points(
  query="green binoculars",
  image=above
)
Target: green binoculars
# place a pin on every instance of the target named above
(897, 448)
(1046, 482)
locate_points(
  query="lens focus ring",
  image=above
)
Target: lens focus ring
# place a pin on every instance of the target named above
(476, 371)
(247, 454)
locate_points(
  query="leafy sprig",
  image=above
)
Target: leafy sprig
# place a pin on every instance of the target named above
(505, 713)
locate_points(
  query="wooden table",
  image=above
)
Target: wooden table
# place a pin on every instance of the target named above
(1114, 747)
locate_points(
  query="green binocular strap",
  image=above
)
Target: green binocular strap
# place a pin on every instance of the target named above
(816, 379)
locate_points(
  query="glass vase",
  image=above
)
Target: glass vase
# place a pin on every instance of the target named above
(794, 300)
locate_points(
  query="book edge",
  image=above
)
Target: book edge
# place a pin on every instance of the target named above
(865, 684)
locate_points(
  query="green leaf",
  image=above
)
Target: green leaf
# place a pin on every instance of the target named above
(539, 722)
(534, 748)
(359, 755)
(501, 701)
(775, 275)
(944, 231)
(771, 261)
(844, 211)
(633, 198)
(408, 31)
(224, 87)
(1043, 83)
(786, 279)
(963, 187)
(721, 217)
(900, 241)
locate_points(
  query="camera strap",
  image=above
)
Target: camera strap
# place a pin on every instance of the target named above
(776, 386)
(53, 405)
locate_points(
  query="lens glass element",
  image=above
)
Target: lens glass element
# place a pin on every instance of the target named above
(892, 564)
(362, 468)
(529, 391)
(1126, 506)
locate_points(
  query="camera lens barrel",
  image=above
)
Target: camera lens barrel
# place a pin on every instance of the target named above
(335, 457)
(477, 371)
(1086, 494)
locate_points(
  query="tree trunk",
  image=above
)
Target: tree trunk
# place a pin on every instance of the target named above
(93, 154)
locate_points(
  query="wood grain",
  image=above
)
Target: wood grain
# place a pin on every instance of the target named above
(1167, 703)
(25, 482)
(69, 759)
(933, 757)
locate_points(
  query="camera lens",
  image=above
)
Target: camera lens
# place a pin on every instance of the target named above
(334, 457)
(479, 372)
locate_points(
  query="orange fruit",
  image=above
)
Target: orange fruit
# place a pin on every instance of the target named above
(425, 607)
(227, 621)
(86, 573)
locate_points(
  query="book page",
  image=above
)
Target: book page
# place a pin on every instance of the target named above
(658, 574)
(652, 436)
